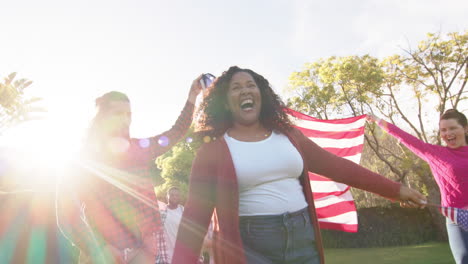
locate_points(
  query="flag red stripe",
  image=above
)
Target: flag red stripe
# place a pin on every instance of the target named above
(332, 121)
(346, 152)
(331, 134)
(317, 177)
(336, 209)
(446, 212)
(350, 130)
(318, 195)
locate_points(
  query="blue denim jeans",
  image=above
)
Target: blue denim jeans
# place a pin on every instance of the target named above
(458, 240)
(286, 238)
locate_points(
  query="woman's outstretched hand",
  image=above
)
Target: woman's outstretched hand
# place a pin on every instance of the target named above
(411, 198)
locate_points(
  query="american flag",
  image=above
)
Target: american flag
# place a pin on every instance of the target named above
(342, 137)
(457, 215)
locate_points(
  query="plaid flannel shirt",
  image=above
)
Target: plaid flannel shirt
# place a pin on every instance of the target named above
(162, 257)
(115, 203)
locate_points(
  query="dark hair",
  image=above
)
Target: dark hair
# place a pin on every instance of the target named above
(215, 118)
(103, 102)
(454, 114)
(173, 188)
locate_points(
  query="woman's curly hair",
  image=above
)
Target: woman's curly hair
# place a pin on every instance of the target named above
(215, 118)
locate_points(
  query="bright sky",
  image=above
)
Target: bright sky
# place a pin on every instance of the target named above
(75, 51)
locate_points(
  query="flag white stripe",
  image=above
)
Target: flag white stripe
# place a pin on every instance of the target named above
(332, 199)
(329, 127)
(349, 218)
(327, 186)
(335, 143)
(452, 211)
(355, 158)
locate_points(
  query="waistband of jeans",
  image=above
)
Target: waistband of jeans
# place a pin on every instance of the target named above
(273, 217)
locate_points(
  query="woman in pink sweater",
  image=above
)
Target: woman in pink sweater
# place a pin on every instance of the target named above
(252, 172)
(449, 165)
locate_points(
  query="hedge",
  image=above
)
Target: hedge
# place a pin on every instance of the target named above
(384, 226)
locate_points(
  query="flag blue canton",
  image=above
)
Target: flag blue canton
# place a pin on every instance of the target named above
(457, 215)
(462, 219)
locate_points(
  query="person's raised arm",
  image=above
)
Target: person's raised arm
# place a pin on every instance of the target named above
(417, 146)
(163, 142)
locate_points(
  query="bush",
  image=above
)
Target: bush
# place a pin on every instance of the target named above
(384, 226)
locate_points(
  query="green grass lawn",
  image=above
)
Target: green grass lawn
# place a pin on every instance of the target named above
(429, 253)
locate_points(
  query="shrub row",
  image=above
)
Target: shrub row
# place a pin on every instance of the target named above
(384, 226)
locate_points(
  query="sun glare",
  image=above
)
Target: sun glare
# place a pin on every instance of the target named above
(33, 154)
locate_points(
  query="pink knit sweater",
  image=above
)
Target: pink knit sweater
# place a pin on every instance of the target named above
(449, 166)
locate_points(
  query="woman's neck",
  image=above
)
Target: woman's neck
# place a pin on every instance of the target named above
(250, 133)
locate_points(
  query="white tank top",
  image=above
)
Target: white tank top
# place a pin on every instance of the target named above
(268, 174)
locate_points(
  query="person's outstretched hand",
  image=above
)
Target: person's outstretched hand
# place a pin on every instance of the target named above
(411, 198)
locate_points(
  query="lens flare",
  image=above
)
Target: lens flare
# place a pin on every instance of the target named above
(188, 140)
(37, 246)
(207, 139)
(163, 141)
(144, 142)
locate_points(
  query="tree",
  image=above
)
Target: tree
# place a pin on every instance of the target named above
(14, 105)
(176, 164)
(434, 76)
(436, 71)
(335, 86)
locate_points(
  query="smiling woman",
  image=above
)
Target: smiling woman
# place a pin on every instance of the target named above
(449, 166)
(253, 179)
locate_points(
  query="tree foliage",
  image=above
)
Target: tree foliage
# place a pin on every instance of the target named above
(335, 85)
(15, 106)
(408, 90)
(175, 165)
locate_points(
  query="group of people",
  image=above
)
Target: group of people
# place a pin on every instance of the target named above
(249, 182)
